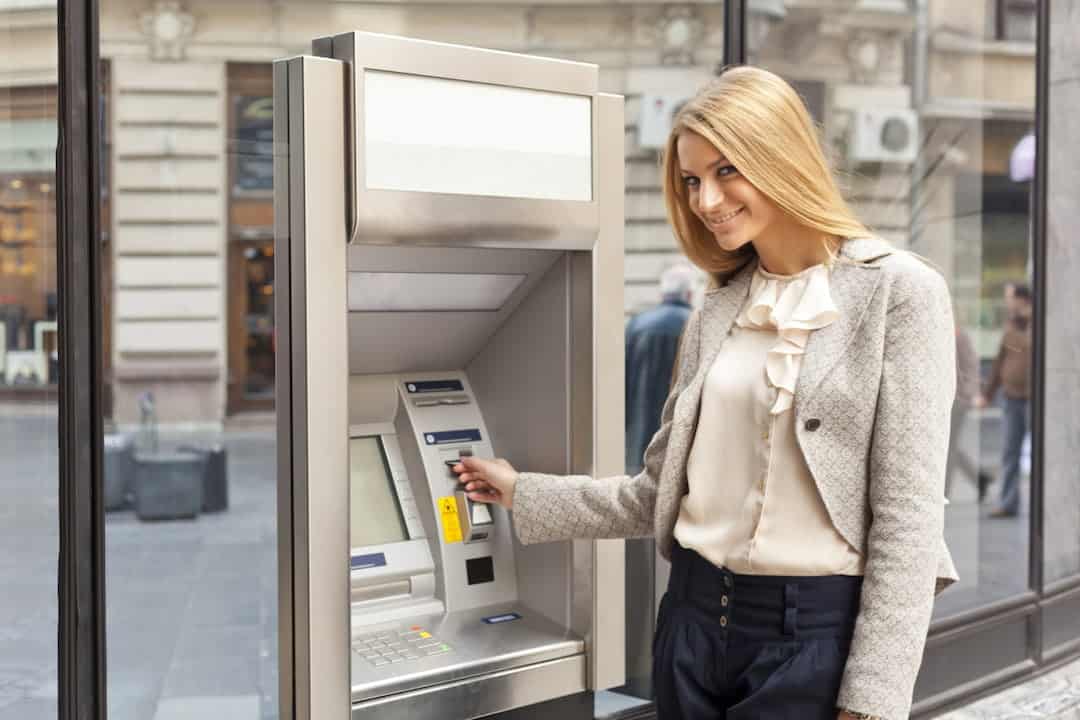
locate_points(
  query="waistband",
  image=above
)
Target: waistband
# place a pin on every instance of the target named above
(765, 604)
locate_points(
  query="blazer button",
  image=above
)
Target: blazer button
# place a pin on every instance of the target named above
(812, 424)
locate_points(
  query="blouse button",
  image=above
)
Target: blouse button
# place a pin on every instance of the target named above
(812, 424)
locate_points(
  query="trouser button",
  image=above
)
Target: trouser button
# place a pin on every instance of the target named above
(723, 621)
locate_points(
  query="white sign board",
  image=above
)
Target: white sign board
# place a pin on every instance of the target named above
(425, 134)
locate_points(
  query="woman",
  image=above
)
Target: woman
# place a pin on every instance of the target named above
(797, 479)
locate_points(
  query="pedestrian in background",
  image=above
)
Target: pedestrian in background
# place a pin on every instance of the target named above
(1011, 373)
(967, 392)
(652, 342)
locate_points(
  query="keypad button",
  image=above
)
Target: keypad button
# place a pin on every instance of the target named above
(380, 662)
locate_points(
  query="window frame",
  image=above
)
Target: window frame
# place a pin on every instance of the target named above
(81, 562)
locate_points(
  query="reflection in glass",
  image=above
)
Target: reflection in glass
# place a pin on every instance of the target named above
(189, 448)
(938, 161)
(29, 519)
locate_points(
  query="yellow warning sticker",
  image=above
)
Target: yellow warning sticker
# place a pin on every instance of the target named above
(451, 523)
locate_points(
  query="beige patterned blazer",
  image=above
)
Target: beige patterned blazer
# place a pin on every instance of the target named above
(872, 412)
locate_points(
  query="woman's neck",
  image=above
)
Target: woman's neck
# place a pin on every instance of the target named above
(789, 251)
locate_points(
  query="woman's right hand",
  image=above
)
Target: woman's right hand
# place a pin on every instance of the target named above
(488, 480)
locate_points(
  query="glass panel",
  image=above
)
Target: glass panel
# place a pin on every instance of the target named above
(1061, 529)
(931, 131)
(29, 520)
(190, 484)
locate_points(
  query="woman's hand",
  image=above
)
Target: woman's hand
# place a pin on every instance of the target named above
(488, 481)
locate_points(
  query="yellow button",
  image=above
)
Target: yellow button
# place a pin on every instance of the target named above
(425, 635)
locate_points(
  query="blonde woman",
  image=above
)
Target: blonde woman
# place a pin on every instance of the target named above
(797, 479)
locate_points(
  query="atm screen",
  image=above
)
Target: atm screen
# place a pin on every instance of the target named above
(375, 517)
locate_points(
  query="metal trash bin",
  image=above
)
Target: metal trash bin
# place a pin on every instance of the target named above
(168, 485)
(119, 470)
(215, 476)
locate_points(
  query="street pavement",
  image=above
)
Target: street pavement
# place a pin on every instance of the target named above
(192, 604)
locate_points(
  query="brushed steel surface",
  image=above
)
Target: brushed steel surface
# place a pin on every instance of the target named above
(389, 216)
(608, 637)
(477, 649)
(481, 696)
(283, 389)
(315, 621)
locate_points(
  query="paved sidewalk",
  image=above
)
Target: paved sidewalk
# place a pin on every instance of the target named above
(1053, 696)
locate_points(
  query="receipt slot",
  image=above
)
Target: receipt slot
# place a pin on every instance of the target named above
(448, 224)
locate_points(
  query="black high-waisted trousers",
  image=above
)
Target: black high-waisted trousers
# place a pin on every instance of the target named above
(750, 647)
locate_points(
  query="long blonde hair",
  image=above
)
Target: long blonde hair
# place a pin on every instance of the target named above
(760, 124)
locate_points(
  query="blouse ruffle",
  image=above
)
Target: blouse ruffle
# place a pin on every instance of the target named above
(794, 306)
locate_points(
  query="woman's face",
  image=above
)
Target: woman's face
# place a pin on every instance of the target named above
(731, 208)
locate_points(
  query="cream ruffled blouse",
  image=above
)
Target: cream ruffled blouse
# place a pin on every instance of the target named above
(753, 505)
(793, 305)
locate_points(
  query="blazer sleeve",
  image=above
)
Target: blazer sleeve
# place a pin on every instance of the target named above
(906, 496)
(561, 507)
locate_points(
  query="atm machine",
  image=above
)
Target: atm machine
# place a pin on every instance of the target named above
(448, 226)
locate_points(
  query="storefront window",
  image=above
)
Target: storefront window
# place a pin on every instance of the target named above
(28, 240)
(940, 162)
(251, 234)
(190, 488)
(29, 471)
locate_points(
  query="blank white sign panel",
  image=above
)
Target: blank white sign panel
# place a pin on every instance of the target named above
(424, 134)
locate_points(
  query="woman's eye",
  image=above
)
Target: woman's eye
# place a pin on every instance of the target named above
(690, 181)
(726, 171)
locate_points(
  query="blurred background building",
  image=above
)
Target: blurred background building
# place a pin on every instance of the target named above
(921, 103)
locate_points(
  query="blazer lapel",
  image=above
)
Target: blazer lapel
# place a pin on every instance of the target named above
(852, 285)
(718, 314)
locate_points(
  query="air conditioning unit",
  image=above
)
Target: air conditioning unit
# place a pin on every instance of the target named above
(884, 135)
(655, 116)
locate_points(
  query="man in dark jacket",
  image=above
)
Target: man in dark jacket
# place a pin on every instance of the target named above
(652, 341)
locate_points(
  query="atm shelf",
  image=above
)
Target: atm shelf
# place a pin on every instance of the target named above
(432, 650)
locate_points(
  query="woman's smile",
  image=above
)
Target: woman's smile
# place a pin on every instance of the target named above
(720, 223)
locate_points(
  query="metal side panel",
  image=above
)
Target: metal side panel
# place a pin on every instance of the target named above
(608, 658)
(315, 484)
(283, 388)
(480, 696)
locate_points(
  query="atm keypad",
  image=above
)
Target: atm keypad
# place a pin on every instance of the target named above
(394, 646)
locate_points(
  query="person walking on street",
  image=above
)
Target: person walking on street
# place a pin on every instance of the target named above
(797, 481)
(967, 393)
(1011, 373)
(652, 343)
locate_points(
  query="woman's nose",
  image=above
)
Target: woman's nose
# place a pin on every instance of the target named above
(712, 197)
